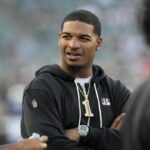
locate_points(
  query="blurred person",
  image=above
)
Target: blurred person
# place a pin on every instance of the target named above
(38, 143)
(75, 103)
(137, 123)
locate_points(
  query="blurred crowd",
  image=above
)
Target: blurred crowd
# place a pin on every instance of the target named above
(28, 40)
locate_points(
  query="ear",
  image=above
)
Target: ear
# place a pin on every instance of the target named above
(99, 43)
(59, 37)
(59, 34)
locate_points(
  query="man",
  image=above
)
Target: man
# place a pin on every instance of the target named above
(75, 103)
(37, 143)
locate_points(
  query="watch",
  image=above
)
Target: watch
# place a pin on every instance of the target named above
(83, 130)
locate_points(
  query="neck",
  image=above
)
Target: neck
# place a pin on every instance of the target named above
(78, 71)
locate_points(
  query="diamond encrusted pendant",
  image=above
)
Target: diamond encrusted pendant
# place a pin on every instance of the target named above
(88, 112)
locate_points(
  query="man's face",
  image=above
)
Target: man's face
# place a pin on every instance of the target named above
(78, 44)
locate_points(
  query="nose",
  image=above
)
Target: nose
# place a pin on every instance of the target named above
(74, 43)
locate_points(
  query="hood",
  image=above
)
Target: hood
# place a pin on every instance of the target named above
(98, 72)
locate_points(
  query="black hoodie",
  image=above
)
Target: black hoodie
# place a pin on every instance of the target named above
(51, 105)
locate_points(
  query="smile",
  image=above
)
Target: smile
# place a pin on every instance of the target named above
(73, 56)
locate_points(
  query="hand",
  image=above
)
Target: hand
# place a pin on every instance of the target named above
(72, 134)
(38, 143)
(118, 122)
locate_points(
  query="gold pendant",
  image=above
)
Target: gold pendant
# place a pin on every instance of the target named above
(88, 112)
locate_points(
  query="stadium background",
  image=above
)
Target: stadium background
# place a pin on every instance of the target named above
(28, 40)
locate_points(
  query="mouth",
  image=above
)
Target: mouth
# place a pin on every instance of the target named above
(73, 56)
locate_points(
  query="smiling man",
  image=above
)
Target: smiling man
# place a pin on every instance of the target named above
(78, 47)
(75, 103)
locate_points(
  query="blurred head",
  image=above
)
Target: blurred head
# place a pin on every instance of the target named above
(137, 124)
(79, 40)
(144, 20)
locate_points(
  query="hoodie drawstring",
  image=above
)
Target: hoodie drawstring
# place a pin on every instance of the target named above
(99, 106)
(77, 88)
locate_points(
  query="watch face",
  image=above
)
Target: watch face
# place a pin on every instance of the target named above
(83, 130)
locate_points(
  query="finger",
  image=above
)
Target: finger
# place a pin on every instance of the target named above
(115, 123)
(44, 145)
(122, 114)
(120, 117)
(43, 138)
(120, 123)
(117, 120)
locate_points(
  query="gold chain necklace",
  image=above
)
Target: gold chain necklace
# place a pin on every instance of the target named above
(86, 103)
(85, 95)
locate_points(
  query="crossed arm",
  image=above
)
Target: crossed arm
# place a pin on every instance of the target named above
(72, 134)
(98, 138)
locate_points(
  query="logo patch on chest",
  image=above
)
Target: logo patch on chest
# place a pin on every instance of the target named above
(106, 102)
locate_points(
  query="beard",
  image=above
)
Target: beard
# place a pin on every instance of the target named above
(76, 69)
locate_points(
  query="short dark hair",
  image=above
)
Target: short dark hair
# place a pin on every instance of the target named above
(86, 17)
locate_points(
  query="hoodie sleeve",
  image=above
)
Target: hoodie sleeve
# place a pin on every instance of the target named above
(104, 138)
(40, 115)
(121, 95)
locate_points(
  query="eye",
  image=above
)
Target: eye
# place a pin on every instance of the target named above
(84, 38)
(65, 36)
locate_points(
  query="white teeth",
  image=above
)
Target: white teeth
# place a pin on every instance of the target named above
(73, 54)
